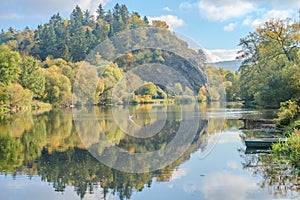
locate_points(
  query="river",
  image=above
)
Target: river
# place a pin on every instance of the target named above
(62, 155)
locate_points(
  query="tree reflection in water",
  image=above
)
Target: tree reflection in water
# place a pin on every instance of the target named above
(50, 147)
(279, 178)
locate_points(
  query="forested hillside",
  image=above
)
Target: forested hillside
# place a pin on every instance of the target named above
(38, 67)
(72, 39)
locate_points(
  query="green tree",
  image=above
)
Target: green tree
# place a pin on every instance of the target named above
(32, 76)
(58, 87)
(231, 84)
(77, 41)
(147, 89)
(11, 153)
(270, 59)
(91, 40)
(34, 140)
(88, 19)
(85, 84)
(19, 98)
(111, 75)
(9, 65)
(100, 12)
(145, 19)
(178, 89)
(47, 42)
(61, 36)
(3, 99)
(25, 40)
(135, 21)
(102, 30)
(202, 94)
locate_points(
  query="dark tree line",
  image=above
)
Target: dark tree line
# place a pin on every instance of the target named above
(73, 38)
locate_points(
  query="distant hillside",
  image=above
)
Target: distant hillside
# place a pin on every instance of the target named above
(232, 65)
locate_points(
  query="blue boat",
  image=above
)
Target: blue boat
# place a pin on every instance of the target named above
(262, 142)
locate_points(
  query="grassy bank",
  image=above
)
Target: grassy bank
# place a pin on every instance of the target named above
(289, 120)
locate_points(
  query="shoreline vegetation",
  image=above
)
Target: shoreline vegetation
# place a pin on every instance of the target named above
(38, 68)
(289, 119)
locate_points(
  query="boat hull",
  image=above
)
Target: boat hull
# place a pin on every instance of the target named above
(261, 143)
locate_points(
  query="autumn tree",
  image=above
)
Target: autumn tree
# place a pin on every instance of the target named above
(111, 75)
(19, 98)
(85, 85)
(270, 63)
(160, 24)
(58, 86)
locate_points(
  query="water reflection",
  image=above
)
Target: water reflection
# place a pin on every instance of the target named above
(276, 176)
(46, 149)
(48, 145)
(122, 144)
(214, 189)
(279, 179)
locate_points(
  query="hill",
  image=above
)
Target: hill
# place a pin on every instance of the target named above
(232, 65)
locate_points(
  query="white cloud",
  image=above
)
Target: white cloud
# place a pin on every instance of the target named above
(167, 9)
(186, 6)
(276, 14)
(191, 187)
(230, 27)
(91, 5)
(221, 10)
(225, 185)
(232, 165)
(210, 57)
(172, 20)
(217, 55)
(88, 4)
(287, 4)
(248, 21)
(179, 173)
(12, 16)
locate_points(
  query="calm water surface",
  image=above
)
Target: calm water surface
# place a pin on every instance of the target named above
(45, 156)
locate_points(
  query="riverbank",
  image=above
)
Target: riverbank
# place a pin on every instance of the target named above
(289, 120)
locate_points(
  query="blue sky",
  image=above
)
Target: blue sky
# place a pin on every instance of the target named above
(216, 25)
